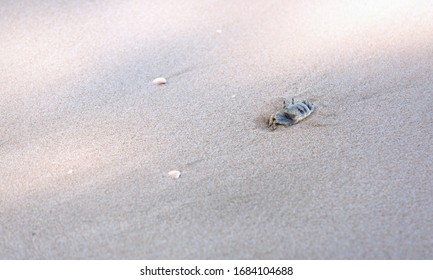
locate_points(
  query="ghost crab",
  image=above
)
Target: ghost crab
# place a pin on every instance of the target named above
(291, 114)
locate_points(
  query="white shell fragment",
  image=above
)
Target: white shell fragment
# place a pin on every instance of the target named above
(219, 31)
(174, 174)
(159, 81)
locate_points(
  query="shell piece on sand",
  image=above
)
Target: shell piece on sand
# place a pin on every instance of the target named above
(159, 81)
(174, 174)
(292, 114)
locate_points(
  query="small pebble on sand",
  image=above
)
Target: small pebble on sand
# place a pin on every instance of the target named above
(70, 171)
(219, 31)
(174, 174)
(159, 81)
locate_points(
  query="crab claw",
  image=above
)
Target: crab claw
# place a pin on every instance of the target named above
(272, 122)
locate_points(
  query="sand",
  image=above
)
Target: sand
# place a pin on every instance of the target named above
(87, 140)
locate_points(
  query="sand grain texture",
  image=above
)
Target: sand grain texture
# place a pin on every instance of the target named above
(86, 141)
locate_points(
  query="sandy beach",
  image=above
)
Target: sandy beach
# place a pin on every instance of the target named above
(87, 140)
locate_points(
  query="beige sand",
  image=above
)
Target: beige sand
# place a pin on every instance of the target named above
(87, 141)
